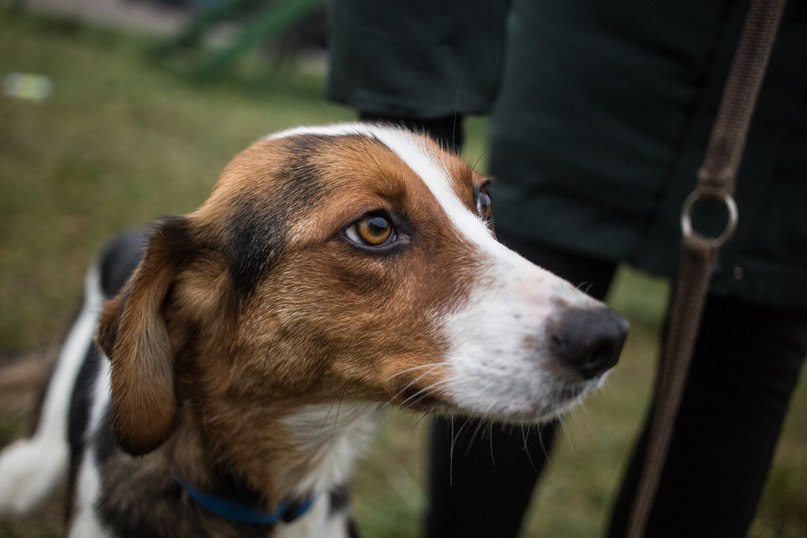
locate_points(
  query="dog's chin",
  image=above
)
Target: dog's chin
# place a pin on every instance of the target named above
(557, 402)
(555, 399)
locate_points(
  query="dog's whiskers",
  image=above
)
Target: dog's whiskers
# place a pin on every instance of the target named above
(525, 433)
(422, 393)
(338, 402)
(585, 287)
(415, 368)
(490, 442)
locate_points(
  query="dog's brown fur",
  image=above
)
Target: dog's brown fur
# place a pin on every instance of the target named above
(189, 348)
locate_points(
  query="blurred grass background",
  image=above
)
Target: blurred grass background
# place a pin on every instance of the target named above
(122, 140)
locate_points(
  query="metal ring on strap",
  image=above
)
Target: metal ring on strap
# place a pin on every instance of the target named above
(686, 216)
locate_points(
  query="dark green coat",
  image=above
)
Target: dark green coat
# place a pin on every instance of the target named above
(601, 121)
(417, 58)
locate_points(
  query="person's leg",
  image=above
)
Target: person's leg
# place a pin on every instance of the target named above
(481, 476)
(743, 373)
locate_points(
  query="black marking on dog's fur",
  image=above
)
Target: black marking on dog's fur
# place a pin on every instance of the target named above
(339, 498)
(119, 260)
(257, 228)
(339, 502)
(256, 237)
(174, 238)
(79, 413)
(105, 443)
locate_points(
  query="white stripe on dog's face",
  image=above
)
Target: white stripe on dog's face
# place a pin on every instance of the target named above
(500, 358)
(500, 361)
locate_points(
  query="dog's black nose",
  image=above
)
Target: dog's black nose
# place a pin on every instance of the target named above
(589, 340)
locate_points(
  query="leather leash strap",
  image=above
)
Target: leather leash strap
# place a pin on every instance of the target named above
(698, 253)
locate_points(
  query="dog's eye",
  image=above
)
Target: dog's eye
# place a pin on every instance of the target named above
(371, 231)
(484, 205)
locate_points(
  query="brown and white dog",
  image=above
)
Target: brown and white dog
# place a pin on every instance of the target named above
(331, 271)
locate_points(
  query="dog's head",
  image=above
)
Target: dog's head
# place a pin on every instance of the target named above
(347, 262)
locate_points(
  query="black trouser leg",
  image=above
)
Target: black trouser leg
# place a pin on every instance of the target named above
(744, 370)
(481, 476)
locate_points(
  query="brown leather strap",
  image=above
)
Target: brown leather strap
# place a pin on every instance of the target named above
(698, 253)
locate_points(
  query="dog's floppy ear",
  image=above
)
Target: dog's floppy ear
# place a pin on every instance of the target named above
(134, 335)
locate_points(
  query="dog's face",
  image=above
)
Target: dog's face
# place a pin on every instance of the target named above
(348, 262)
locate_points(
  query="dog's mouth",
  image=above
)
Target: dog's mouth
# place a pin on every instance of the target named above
(553, 404)
(424, 399)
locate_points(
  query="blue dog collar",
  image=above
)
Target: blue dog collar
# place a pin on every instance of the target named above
(287, 511)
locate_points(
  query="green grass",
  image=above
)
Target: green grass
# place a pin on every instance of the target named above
(122, 141)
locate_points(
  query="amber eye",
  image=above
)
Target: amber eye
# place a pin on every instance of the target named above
(371, 231)
(484, 205)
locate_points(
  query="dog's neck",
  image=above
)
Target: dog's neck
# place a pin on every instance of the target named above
(303, 452)
(334, 436)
